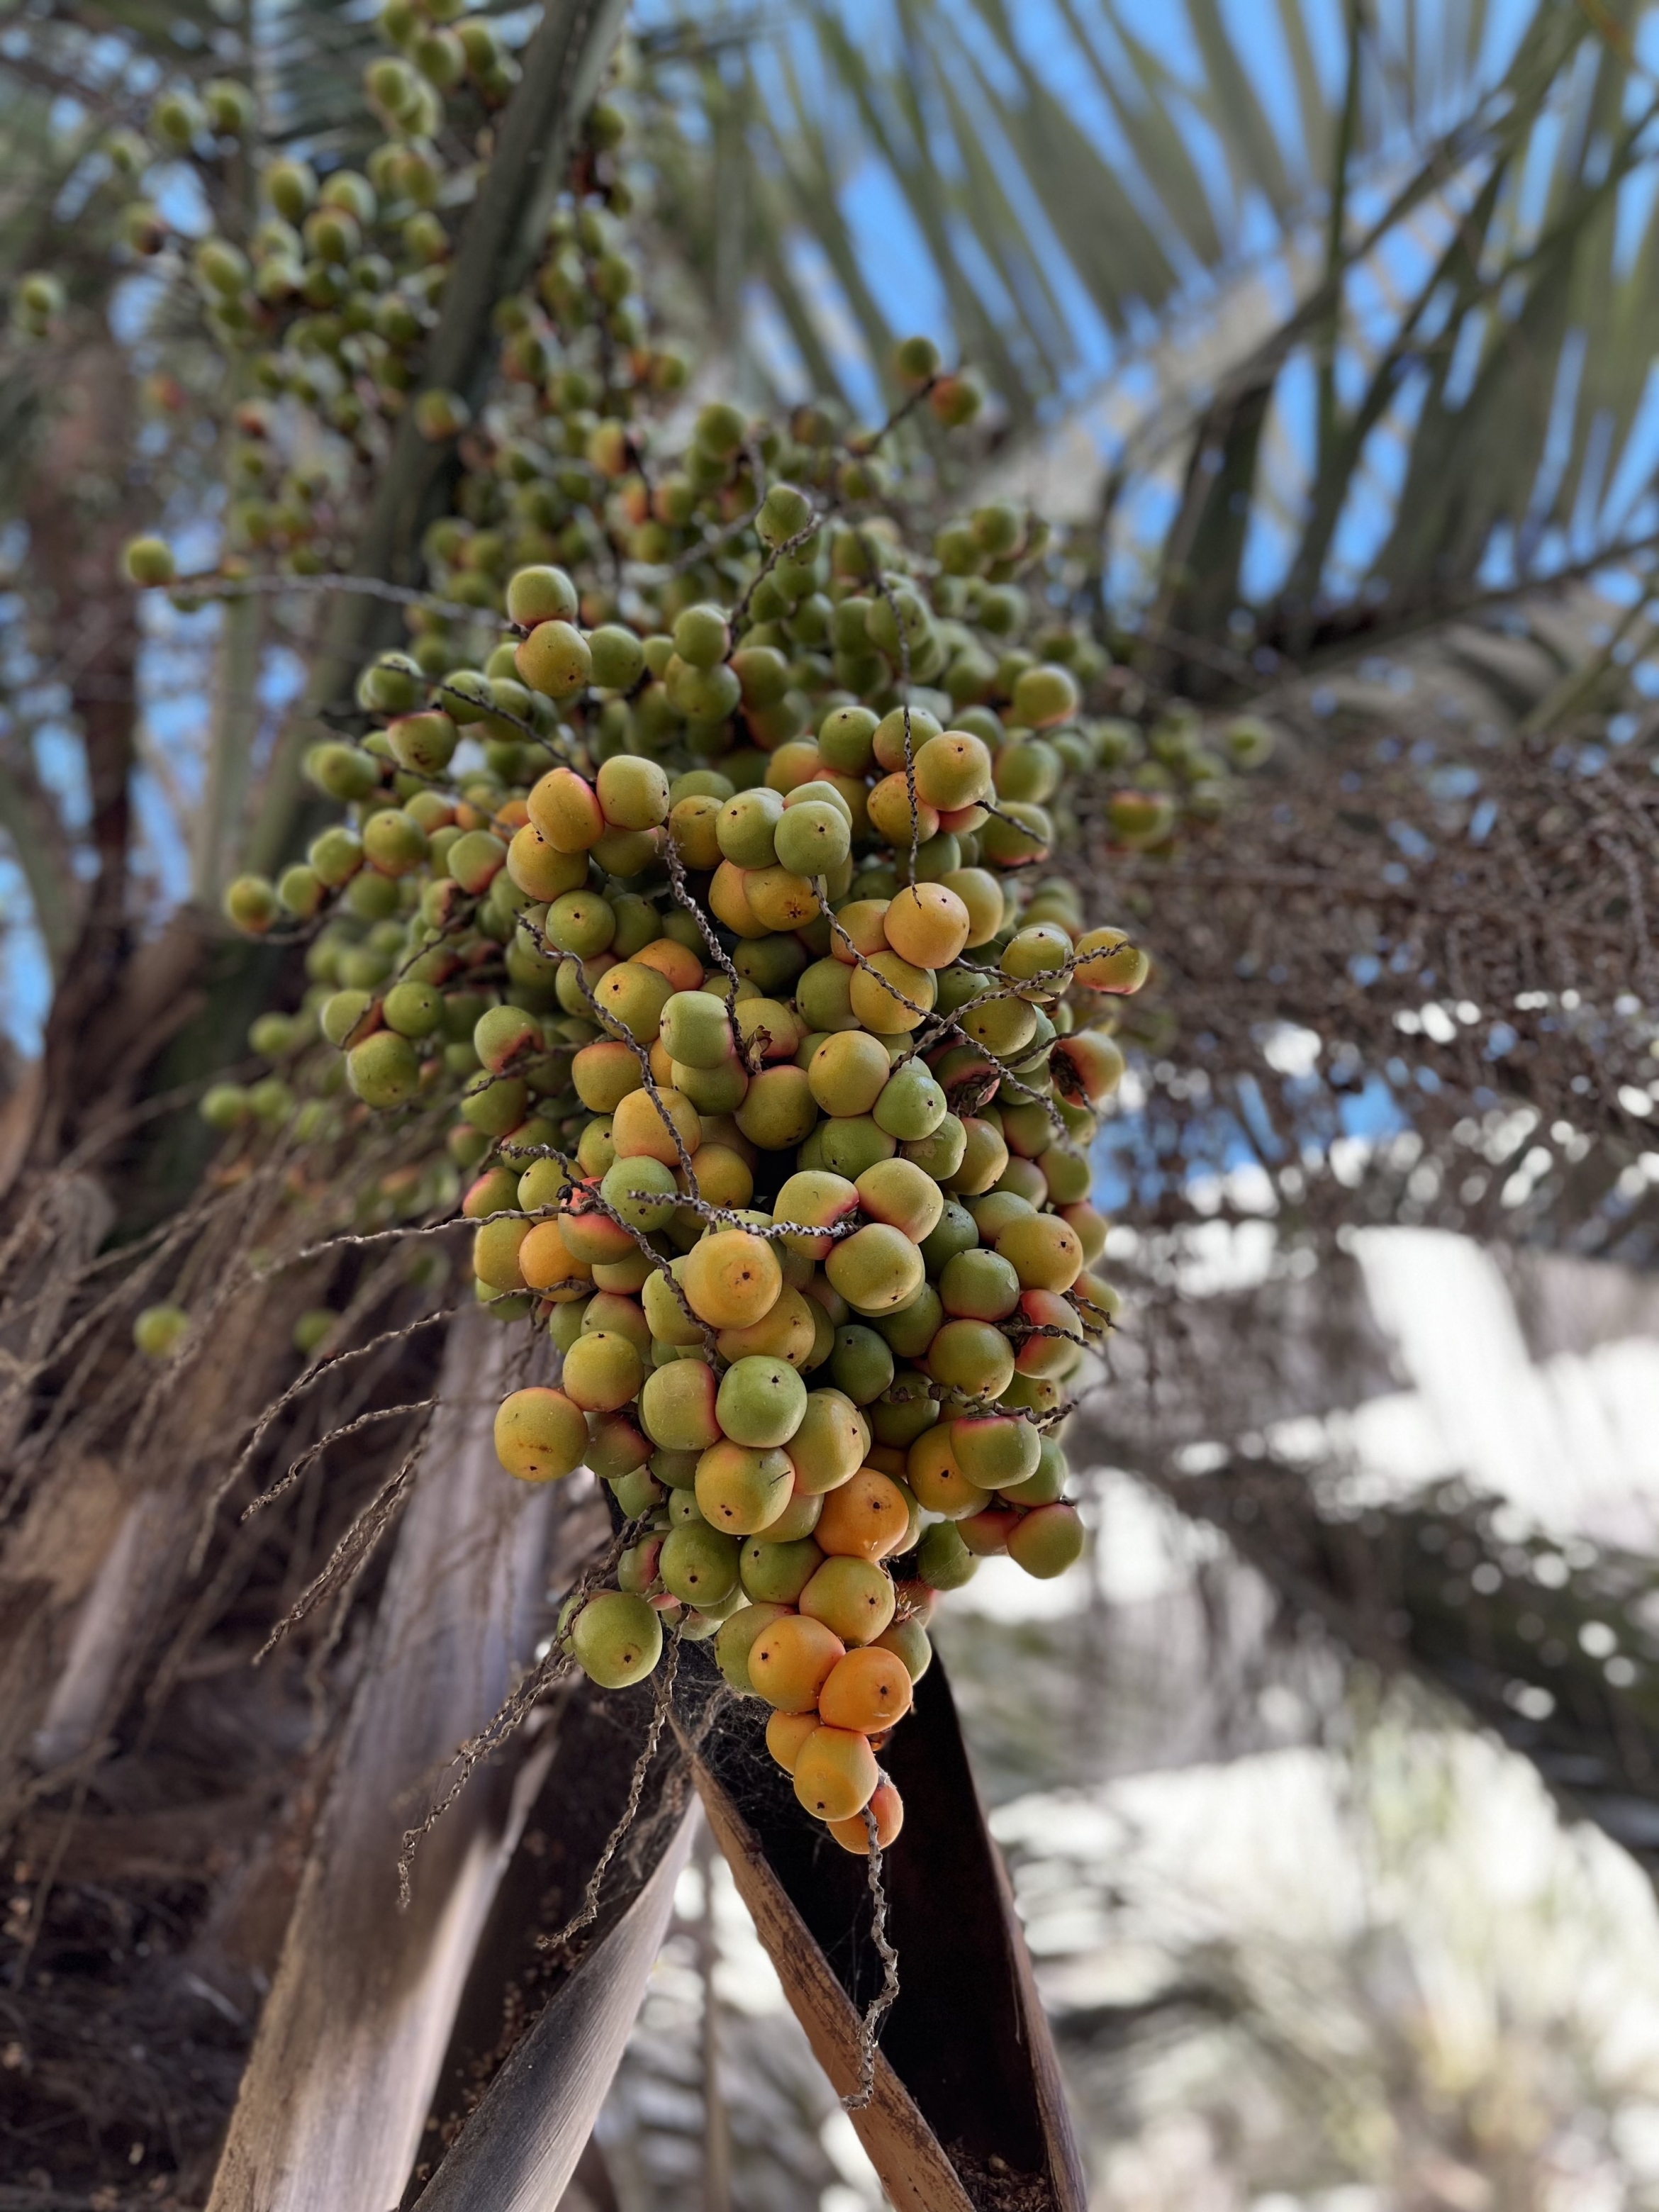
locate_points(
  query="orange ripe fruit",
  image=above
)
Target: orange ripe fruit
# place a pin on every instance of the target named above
(722, 1176)
(927, 925)
(853, 1597)
(540, 1434)
(835, 1773)
(780, 899)
(939, 1484)
(1087, 1065)
(785, 1735)
(790, 1661)
(891, 994)
(864, 922)
(669, 957)
(731, 1279)
(728, 901)
(565, 807)
(890, 812)
(1045, 1251)
(603, 1073)
(868, 1689)
(540, 870)
(863, 1519)
(640, 1132)
(548, 1264)
(854, 1834)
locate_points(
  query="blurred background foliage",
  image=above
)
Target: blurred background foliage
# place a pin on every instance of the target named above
(1328, 329)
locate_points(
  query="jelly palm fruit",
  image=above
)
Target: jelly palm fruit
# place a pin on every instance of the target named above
(702, 902)
(739, 1489)
(866, 1518)
(835, 1773)
(540, 1434)
(761, 1402)
(853, 1597)
(868, 1691)
(617, 1638)
(887, 1807)
(786, 1734)
(732, 1278)
(790, 1659)
(1046, 1541)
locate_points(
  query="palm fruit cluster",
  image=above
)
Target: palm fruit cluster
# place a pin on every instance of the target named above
(689, 894)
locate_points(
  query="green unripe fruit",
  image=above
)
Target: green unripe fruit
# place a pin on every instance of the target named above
(996, 1451)
(581, 923)
(394, 842)
(701, 637)
(342, 1013)
(383, 1070)
(1046, 1541)
(291, 188)
(414, 1010)
(760, 1402)
(300, 890)
(1045, 695)
(747, 825)
(251, 905)
(853, 1145)
(776, 1574)
(148, 561)
(696, 1030)
(916, 363)
(540, 594)
(861, 1363)
(877, 1270)
(812, 839)
(911, 1105)
(158, 1331)
(617, 1638)
(424, 744)
(617, 657)
(225, 1106)
(1047, 1486)
(177, 120)
(344, 772)
(785, 513)
(335, 856)
(699, 1564)
(944, 1562)
(643, 1192)
(719, 430)
(273, 1035)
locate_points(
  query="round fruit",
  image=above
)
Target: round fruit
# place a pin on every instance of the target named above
(617, 1639)
(540, 1434)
